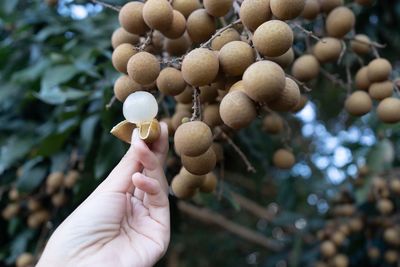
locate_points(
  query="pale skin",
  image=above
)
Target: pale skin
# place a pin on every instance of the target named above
(125, 221)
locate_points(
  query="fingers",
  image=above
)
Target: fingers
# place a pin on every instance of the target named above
(160, 147)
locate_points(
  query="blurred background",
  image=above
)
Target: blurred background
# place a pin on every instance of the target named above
(56, 79)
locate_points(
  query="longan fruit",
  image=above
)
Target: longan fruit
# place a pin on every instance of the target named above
(181, 190)
(177, 47)
(71, 178)
(328, 249)
(170, 82)
(287, 9)
(226, 36)
(381, 90)
(253, 13)
(51, 3)
(340, 21)
(218, 8)
(361, 44)
(200, 26)
(200, 67)
(264, 81)
(186, 7)
(395, 186)
(158, 14)
(13, 194)
(379, 70)
(10, 211)
(210, 183)
(208, 93)
(288, 98)
(389, 110)
(121, 56)
(37, 218)
(338, 238)
(191, 180)
(211, 115)
(177, 118)
(121, 36)
(25, 260)
(391, 256)
(340, 260)
(328, 5)
(358, 103)
(373, 253)
(219, 151)
(311, 9)
(302, 103)
(273, 124)
(328, 49)
(392, 236)
(124, 86)
(193, 138)
(59, 199)
(186, 96)
(385, 206)
(361, 80)
(306, 68)
(237, 110)
(235, 57)
(200, 165)
(237, 86)
(54, 181)
(178, 26)
(356, 224)
(33, 204)
(143, 68)
(283, 159)
(131, 18)
(273, 38)
(284, 60)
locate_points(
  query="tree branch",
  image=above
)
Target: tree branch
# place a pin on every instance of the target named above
(196, 105)
(253, 207)
(116, 8)
(219, 32)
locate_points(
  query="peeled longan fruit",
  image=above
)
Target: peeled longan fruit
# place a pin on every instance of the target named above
(264, 81)
(177, 118)
(273, 124)
(391, 256)
(124, 86)
(121, 56)
(181, 190)
(328, 249)
(186, 96)
(253, 13)
(211, 115)
(381, 90)
(385, 206)
(311, 9)
(208, 93)
(210, 183)
(71, 178)
(218, 8)
(158, 14)
(200, 165)
(121, 36)
(379, 70)
(178, 26)
(360, 44)
(54, 181)
(306, 68)
(361, 80)
(131, 18)
(177, 47)
(237, 110)
(284, 60)
(10, 211)
(288, 98)
(226, 36)
(283, 159)
(358, 103)
(327, 49)
(340, 260)
(170, 82)
(25, 260)
(328, 5)
(200, 26)
(273, 38)
(235, 57)
(340, 21)
(143, 68)
(302, 103)
(200, 67)
(287, 9)
(389, 110)
(193, 138)
(186, 7)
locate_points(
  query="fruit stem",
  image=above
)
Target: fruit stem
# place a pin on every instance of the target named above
(196, 105)
(219, 32)
(116, 8)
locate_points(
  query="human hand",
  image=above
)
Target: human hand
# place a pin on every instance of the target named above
(125, 221)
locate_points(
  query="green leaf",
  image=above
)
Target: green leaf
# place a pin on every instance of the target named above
(32, 175)
(57, 75)
(88, 128)
(56, 96)
(13, 150)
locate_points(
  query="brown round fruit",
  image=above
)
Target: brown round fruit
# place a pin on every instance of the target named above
(218, 150)
(218, 8)
(306, 68)
(10, 211)
(358, 103)
(158, 14)
(392, 236)
(328, 249)
(273, 124)
(121, 56)
(361, 80)
(210, 183)
(288, 98)
(200, 165)
(131, 18)
(177, 47)
(211, 115)
(178, 26)
(302, 103)
(170, 82)
(59, 199)
(395, 186)
(226, 36)
(391, 256)
(121, 36)
(71, 178)
(25, 260)
(340, 260)
(200, 26)
(340, 21)
(389, 110)
(208, 93)
(54, 181)
(381, 90)
(38, 218)
(361, 44)
(237, 86)
(186, 7)
(283, 159)
(180, 189)
(328, 5)
(253, 13)
(124, 86)
(311, 9)
(177, 118)
(200, 67)
(237, 110)
(379, 70)
(143, 68)
(287, 9)
(186, 96)
(235, 57)
(385, 206)
(193, 138)
(327, 50)
(338, 238)
(285, 60)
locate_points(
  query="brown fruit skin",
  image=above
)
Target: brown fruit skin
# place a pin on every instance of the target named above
(340, 260)
(284, 60)
(253, 13)
(71, 178)
(218, 8)
(360, 44)
(374, 253)
(392, 236)
(124, 86)
(219, 151)
(37, 218)
(25, 260)
(59, 199)
(227, 36)
(170, 82)
(311, 9)
(389, 110)
(379, 70)
(358, 103)
(121, 56)
(391, 256)
(361, 80)
(121, 36)
(13, 194)
(273, 124)
(261, 87)
(131, 18)
(302, 103)
(200, 67)
(158, 14)
(200, 26)
(10, 211)
(340, 21)
(328, 5)
(193, 138)
(191, 180)
(288, 98)
(178, 26)
(356, 224)
(306, 68)
(385, 206)
(143, 68)
(33, 204)
(54, 181)
(237, 86)
(237, 110)
(210, 183)
(328, 249)
(273, 38)
(338, 238)
(181, 190)
(208, 93)
(283, 159)
(381, 90)
(211, 115)
(327, 50)
(186, 7)
(287, 9)
(177, 47)
(395, 186)
(235, 57)
(200, 165)
(186, 96)
(176, 119)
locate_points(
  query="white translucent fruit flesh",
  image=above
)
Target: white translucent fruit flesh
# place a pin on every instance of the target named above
(140, 107)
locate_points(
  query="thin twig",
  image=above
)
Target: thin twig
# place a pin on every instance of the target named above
(116, 8)
(147, 41)
(373, 44)
(349, 79)
(333, 78)
(344, 48)
(301, 84)
(250, 39)
(196, 105)
(112, 101)
(219, 32)
(307, 32)
(375, 52)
